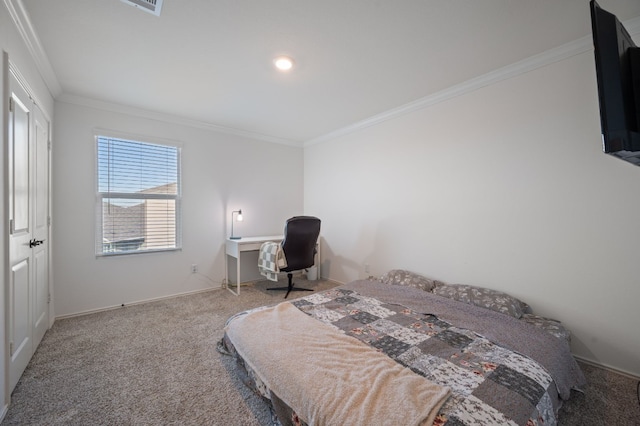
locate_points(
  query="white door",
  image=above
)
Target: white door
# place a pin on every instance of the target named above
(28, 229)
(39, 192)
(20, 315)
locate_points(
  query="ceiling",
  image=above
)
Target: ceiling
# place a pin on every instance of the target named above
(211, 61)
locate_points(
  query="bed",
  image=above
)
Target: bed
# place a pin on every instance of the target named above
(404, 349)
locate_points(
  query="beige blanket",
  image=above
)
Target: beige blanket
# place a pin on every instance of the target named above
(330, 378)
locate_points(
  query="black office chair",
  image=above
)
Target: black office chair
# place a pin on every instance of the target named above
(299, 246)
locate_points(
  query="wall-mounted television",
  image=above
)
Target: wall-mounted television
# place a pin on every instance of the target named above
(618, 73)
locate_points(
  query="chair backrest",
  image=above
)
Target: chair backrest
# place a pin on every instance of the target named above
(299, 243)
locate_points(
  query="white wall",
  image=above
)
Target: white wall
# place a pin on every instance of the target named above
(504, 187)
(220, 173)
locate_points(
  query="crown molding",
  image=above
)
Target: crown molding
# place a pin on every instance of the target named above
(543, 59)
(546, 58)
(168, 118)
(28, 33)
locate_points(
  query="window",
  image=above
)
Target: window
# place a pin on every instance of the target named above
(138, 202)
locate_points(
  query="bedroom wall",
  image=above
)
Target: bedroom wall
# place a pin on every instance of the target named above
(220, 173)
(505, 187)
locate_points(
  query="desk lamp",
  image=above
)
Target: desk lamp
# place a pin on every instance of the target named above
(239, 217)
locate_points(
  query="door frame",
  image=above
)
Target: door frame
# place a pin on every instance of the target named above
(4, 229)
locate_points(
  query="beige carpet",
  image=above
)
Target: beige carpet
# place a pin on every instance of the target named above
(157, 364)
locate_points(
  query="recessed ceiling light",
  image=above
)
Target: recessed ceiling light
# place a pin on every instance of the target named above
(283, 63)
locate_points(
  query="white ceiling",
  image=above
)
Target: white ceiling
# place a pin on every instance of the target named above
(211, 61)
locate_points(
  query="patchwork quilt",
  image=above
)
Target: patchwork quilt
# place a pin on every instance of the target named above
(485, 379)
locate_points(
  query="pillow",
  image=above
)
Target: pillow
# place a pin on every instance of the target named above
(407, 278)
(552, 326)
(482, 297)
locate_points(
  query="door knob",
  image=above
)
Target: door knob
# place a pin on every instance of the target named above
(35, 242)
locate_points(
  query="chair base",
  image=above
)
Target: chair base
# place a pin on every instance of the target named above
(291, 287)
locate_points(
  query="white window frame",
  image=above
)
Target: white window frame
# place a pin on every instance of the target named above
(101, 196)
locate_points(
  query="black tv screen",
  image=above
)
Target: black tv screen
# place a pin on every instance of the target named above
(618, 73)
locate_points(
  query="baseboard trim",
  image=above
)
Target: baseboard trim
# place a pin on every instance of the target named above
(138, 302)
(607, 367)
(155, 299)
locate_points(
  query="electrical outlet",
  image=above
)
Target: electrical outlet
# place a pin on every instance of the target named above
(194, 268)
(366, 268)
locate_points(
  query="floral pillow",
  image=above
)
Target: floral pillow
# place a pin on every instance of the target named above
(483, 297)
(407, 278)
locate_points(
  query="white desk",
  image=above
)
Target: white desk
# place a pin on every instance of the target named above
(234, 248)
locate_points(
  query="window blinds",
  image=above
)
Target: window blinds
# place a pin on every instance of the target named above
(138, 196)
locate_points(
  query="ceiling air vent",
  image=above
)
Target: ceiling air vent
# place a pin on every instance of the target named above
(151, 6)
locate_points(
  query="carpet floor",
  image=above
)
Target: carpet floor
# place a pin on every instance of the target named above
(156, 364)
